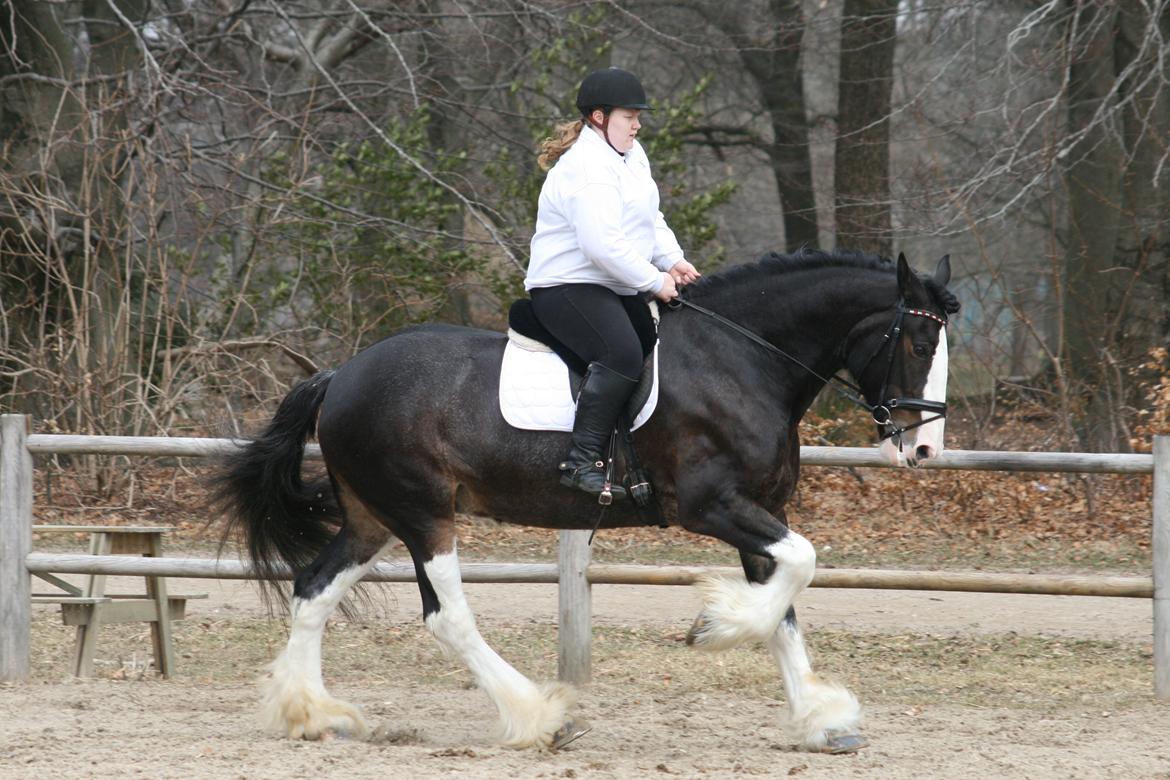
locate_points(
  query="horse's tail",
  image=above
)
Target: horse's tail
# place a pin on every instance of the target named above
(282, 519)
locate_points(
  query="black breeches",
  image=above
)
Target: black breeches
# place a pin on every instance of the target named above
(592, 321)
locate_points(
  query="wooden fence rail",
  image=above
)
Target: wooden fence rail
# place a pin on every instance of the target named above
(574, 571)
(615, 574)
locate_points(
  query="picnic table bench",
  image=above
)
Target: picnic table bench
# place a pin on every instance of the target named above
(89, 607)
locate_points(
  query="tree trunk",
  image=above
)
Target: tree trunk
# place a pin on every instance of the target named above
(862, 179)
(776, 70)
(783, 97)
(1094, 180)
(1144, 235)
(774, 66)
(42, 149)
(65, 170)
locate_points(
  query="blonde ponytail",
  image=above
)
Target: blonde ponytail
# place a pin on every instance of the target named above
(565, 134)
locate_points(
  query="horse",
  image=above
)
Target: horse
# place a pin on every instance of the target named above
(410, 431)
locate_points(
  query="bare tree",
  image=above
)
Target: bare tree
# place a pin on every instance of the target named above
(753, 51)
(1027, 142)
(208, 195)
(868, 35)
(1116, 249)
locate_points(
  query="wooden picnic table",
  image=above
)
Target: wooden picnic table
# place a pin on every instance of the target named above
(89, 606)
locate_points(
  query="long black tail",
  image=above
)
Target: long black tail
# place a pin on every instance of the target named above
(283, 519)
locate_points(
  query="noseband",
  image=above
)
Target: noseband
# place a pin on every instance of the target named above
(882, 413)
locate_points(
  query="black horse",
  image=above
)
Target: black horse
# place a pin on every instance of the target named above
(410, 429)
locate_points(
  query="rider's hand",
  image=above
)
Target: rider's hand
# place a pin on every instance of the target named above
(669, 291)
(684, 273)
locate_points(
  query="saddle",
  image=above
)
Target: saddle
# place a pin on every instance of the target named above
(527, 335)
(522, 322)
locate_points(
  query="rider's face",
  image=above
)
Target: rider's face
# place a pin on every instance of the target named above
(623, 127)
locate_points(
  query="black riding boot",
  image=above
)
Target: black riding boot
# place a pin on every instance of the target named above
(604, 394)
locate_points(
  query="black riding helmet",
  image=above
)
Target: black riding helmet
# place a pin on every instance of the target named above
(611, 88)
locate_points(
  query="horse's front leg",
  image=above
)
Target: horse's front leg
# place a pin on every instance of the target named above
(778, 563)
(824, 716)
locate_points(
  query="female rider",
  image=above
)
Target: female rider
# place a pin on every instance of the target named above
(600, 236)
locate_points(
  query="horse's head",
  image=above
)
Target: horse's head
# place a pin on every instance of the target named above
(899, 358)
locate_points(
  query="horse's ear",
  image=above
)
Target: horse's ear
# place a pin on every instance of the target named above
(942, 273)
(906, 277)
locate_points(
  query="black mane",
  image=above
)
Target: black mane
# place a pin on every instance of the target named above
(775, 263)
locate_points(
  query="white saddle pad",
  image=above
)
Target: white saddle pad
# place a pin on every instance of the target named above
(534, 388)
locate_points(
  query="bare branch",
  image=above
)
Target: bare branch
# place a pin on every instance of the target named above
(306, 364)
(475, 212)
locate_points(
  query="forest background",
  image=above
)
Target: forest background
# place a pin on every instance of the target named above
(204, 201)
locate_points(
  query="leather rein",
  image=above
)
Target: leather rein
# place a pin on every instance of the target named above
(882, 413)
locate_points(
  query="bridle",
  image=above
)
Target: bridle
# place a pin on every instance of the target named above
(882, 412)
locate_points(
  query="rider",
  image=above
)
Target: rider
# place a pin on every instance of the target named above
(600, 236)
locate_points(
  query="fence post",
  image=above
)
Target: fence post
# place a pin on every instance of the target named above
(575, 617)
(1161, 545)
(16, 494)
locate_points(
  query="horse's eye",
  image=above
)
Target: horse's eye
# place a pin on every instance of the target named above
(921, 350)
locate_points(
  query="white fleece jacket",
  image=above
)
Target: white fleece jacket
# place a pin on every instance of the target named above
(598, 222)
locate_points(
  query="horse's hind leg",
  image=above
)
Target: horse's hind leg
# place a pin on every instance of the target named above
(295, 701)
(530, 715)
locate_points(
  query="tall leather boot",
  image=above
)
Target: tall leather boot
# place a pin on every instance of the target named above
(604, 394)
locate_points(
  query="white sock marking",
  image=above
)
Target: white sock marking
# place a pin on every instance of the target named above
(529, 714)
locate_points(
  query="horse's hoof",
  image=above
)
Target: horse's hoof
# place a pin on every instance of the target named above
(696, 630)
(573, 728)
(839, 742)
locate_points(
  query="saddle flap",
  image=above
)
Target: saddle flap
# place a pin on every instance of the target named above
(538, 393)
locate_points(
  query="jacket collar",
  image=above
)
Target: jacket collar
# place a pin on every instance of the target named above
(596, 147)
(596, 144)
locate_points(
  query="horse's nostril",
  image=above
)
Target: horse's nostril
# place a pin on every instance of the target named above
(923, 452)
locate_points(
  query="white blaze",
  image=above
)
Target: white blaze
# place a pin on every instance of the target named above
(925, 441)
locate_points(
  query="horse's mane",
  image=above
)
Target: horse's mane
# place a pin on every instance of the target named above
(775, 263)
(804, 259)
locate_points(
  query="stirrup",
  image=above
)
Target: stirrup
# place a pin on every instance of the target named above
(581, 478)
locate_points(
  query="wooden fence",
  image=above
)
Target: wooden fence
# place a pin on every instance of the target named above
(574, 571)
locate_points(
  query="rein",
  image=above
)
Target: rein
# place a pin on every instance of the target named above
(882, 413)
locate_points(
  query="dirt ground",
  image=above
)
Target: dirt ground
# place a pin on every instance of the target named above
(658, 709)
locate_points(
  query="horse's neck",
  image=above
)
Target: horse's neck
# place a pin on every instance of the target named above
(809, 313)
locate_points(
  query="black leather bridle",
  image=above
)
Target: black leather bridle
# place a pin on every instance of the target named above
(882, 412)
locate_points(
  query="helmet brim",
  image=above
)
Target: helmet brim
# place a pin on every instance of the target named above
(638, 106)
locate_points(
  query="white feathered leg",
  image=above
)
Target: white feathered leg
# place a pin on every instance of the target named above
(530, 715)
(294, 700)
(819, 711)
(824, 716)
(736, 611)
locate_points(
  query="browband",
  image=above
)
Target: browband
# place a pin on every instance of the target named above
(928, 314)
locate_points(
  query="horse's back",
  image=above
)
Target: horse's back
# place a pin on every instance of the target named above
(398, 389)
(413, 359)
